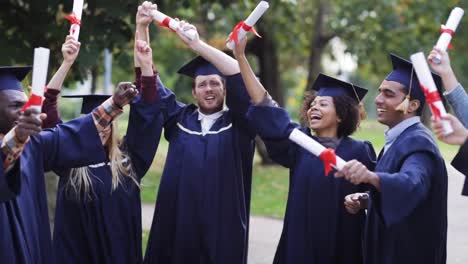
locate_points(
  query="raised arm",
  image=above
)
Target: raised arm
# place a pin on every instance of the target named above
(70, 51)
(145, 122)
(254, 88)
(454, 92)
(73, 144)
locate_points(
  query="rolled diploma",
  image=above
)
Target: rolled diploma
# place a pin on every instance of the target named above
(173, 24)
(40, 66)
(426, 80)
(452, 24)
(77, 11)
(312, 146)
(256, 14)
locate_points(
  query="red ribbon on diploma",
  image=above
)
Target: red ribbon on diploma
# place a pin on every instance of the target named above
(73, 21)
(34, 100)
(443, 29)
(245, 27)
(431, 98)
(329, 158)
(165, 23)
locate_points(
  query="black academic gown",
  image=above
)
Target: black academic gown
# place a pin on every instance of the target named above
(105, 228)
(24, 220)
(202, 208)
(460, 162)
(317, 228)
(407, 218)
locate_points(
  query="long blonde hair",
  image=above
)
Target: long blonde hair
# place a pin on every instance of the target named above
(79, 182)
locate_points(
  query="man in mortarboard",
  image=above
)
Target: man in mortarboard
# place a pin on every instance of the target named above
(202, 207)
(407, 211)
(27, 153)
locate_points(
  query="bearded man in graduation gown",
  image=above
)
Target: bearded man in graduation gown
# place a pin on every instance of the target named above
(407, 210)
(27, 153)
(202, 207)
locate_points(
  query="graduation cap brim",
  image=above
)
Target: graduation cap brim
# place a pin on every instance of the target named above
(90, 101)
(11, 77)
(328, 86)
(404, 74)
(198, 66)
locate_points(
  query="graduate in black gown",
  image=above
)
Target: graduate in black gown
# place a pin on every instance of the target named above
(202, 207)
(407, 211)
(458, 137)
(98, 212)
(24, 221)
(317, 229)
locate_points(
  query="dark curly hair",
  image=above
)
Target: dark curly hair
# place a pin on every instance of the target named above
(347, 109)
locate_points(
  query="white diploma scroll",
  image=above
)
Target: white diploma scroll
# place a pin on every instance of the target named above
(75, 19)
(41, 64)
(312, 146)
(430, 89)
(171, 23)
(447, 31)
(256, 14)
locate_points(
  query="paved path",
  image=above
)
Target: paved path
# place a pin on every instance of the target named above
(265, 232)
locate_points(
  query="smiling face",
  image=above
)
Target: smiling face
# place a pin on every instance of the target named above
(209, 92)
(11, 102)
(391, 94)
(322, 117)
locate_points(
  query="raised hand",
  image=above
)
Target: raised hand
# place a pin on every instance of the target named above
(124, 93)
(143, 16)
(143, 55)
(29, 123)
(70, 49)
(239, 47)
(457, 137)
(444, 67)
(185, 26)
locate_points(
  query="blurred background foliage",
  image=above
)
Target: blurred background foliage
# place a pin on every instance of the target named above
(349, 39)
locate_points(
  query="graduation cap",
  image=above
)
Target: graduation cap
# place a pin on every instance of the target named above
(404, 74)
(199, 66)
(11, 77)
(329, 86)
(90, 101)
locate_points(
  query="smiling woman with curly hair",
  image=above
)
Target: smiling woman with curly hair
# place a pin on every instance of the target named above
(317, 228)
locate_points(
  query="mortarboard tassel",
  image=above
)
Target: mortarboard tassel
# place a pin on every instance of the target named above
(362, 112)
(403, 106)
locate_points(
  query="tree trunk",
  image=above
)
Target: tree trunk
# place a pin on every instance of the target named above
(266, 52)
(94, 75)
(318, 43)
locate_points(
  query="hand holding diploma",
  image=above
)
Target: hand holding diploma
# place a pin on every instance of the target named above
(448, 30)
(326, 155)
(75, 18)
(241, 29)
(427, 84)
(41, 64)
(167, 21)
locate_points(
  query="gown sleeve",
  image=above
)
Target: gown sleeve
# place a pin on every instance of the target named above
(10, 182)
(50, 108)
(170, 107)
(72, 144)
(460, 163)
(401, 192)
(144, 128)
(274, 126)
(238, 101)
